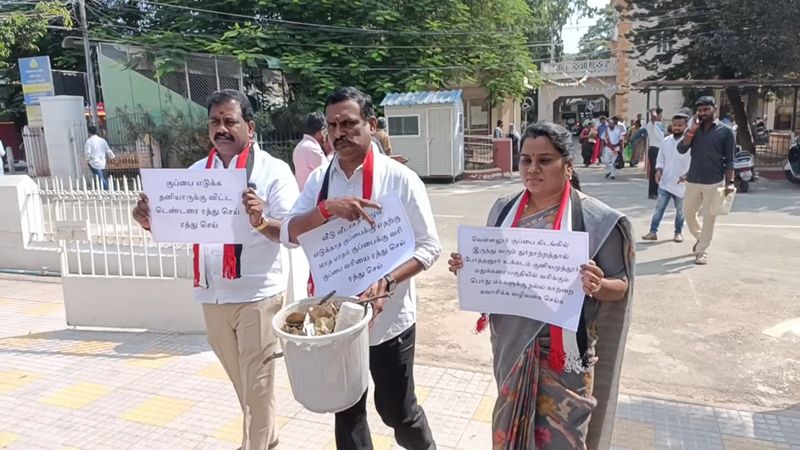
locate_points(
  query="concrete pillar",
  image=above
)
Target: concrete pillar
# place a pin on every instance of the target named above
(60, 114)
(20, 222)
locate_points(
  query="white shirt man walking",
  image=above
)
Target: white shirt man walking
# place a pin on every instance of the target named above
(612, 141)
(345, 189)
(241, 287)
(670, 174)
(97, 150)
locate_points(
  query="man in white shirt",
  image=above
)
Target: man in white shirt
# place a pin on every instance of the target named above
(2, 155)
(308, 154)
(612, 145)
(670, 173)
(97, 150)
(656, 132)
(345, 189)
(241, 287)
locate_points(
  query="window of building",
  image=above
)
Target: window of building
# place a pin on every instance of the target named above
(404, 126)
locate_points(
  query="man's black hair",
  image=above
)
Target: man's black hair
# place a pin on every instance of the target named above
(315, 122)
(499, 123)
(344, 94)
(226, 95)
(659, 110)
(92, 129)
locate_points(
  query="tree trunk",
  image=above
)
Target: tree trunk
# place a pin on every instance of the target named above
(743, 137)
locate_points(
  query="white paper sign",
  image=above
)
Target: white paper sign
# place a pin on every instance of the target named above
(197, 206)
(349, 256)
(523, 272)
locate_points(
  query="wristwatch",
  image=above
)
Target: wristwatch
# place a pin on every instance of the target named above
(391, 283)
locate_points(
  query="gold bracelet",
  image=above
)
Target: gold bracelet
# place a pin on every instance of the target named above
(264, 223)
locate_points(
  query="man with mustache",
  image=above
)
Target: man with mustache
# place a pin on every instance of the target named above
(346, 189)
(241, 287)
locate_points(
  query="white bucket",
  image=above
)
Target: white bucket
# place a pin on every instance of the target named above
(327, 373)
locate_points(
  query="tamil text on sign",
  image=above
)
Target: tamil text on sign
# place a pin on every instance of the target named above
(349, 256)
(523, 272)
(197, 206)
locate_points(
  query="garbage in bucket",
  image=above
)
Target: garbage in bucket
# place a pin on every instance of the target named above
(327, 373)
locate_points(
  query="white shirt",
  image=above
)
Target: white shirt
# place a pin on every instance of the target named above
(96, 151)
(614, 136)
(674, 165)
(307, 156)
(261, 265)
(655, 133)
(2, 154)
(399, 311)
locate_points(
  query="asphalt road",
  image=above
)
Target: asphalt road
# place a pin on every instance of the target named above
(697, 332)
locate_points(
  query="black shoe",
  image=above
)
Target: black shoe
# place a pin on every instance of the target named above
(608, 175)
(613, 178)
(653, 197)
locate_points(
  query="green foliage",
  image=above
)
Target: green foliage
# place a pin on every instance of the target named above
(24, 32)
(719, 39)
(594, 43)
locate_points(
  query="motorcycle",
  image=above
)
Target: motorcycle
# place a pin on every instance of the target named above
(792, 167)
(744, 167)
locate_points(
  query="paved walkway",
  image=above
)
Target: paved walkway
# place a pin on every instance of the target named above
(63, 388)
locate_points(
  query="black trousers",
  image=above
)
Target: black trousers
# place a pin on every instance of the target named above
(392, 367)
(652, 155)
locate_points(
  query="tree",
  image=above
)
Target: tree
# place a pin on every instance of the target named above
(719, 39)
(594, 43)
(379, 46)
(24, 32)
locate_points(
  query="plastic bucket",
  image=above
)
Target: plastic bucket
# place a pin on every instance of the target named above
(327, 373)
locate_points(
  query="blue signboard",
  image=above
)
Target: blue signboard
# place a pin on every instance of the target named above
(36, 77)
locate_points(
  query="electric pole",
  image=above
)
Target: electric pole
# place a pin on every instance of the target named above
(87, 53)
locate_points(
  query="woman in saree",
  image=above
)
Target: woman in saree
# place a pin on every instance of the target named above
(557, 389)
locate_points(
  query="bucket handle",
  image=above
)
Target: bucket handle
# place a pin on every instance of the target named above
(271, 357)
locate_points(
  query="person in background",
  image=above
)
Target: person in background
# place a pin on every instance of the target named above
(498, 130)
(97, 150)
(671, 168)
(638, 142)
(655, 135)
(347, 189)
(613, 141)
(556, 389)
(587, 139)
(2, 159)
(513, 134)
(383, 136)
(712, 146)
(308, 154)
(241, 287)
(598, 148)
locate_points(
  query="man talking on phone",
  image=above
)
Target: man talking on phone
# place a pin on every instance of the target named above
(712, 145)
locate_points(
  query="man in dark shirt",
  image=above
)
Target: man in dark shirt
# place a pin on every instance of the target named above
(712, 145)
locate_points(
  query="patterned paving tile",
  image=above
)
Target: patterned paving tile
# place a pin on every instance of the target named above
(633, 435)
(15, 379)
(742, 443)
(158, 411)
(77, 395)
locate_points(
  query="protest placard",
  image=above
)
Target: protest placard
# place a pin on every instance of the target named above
(523, 272)
(349, 256)
(197, 206)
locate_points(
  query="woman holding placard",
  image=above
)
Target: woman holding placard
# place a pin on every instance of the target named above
(557, 389)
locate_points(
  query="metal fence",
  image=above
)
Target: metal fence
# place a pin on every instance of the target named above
(478, 152)
(98, 235)
(775, 152)
(36, 151)
(280, 145)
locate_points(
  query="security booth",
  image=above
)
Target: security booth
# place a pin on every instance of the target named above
(428, 129)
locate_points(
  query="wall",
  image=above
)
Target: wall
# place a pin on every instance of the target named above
(147, 303)
(61, 115)
(509, 111)
(415, 148)
(21, 218)
(126, 88)
(549, 93)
